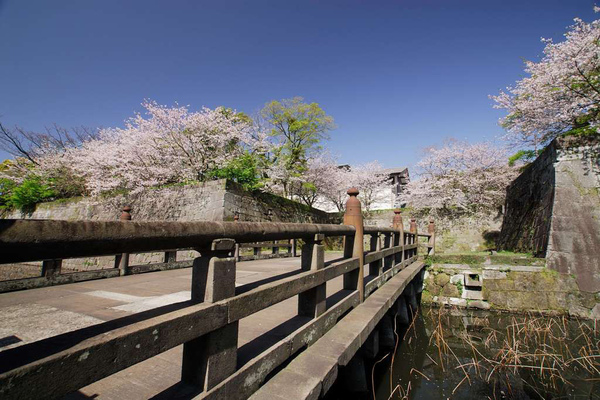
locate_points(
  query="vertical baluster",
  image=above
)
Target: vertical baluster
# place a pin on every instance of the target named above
(415, 239)
(431, 241)
(122, 260)
(51, 268)
(312, 302)
(398, 224)
(387, 243)
(209, 359)
(375, 245)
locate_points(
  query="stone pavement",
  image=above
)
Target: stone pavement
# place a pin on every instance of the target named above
(31, 315)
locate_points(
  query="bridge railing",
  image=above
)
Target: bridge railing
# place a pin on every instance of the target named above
(207, 325)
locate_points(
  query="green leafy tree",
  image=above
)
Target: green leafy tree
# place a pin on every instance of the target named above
(243, 169)
(299, 128)
(6, 188)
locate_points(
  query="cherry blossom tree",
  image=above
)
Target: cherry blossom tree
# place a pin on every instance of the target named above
(561, 93)
(460, 175)
(163, 146)
(373, 183)
(326, 183)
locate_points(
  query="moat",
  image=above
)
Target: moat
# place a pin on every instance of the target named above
(464, 354)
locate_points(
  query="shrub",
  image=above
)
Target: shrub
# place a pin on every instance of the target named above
(26, 195)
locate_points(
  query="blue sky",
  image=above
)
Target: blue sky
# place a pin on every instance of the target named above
(397, 76)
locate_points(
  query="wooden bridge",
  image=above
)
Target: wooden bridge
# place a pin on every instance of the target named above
(283, 333)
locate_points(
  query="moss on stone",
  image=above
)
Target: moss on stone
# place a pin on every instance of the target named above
(426, 297)
(442, 279)
(450, 291)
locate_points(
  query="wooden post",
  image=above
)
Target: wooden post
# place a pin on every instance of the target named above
(170, 256)
(257, 252)
(431, 242)
(51, 268)
(294, 248)
(375, 245)
(236, 255)
(122, 260)
(211, 358)
(415, 239)
(399, 225)
(353, 216)
(312, 302)
(388, 262)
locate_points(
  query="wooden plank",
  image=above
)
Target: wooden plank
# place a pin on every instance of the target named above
(143, 268)
(338, 345)
(379, 255)
(94, 358)
(248, 379)
(272, 293)
(34, 240)
(61, 279)
(263, 245)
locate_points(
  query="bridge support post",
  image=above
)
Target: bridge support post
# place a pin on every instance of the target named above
(402, 309)
(418, 284)
(375, 245)
(209, 359)
(371, 347)
(355, 248)
(410, 296)
(312, 303)
(387, 338)
(354, 376)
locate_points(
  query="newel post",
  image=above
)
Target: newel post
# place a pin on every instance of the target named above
(431, 231)
(354, 248)
(209, 359)
(122, 260)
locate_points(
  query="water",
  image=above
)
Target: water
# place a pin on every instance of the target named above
(460, 354)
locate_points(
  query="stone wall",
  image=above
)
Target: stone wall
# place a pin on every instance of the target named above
(455, 234)
(574, 239)
(528, 208)
(184, 203)
(553, 210)
(212, 201)
(516, 288)
(258, 207)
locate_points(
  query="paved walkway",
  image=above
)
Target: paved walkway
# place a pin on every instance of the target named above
(31, 315)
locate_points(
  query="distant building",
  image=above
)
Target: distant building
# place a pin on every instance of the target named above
(386, 199)
(400, 178)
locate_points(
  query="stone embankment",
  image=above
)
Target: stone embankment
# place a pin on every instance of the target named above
(517, 284)
(553, 210)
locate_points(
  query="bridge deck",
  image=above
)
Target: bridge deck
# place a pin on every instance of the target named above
(39, 313)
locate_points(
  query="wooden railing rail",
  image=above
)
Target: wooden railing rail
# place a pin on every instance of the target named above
(207, 325)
